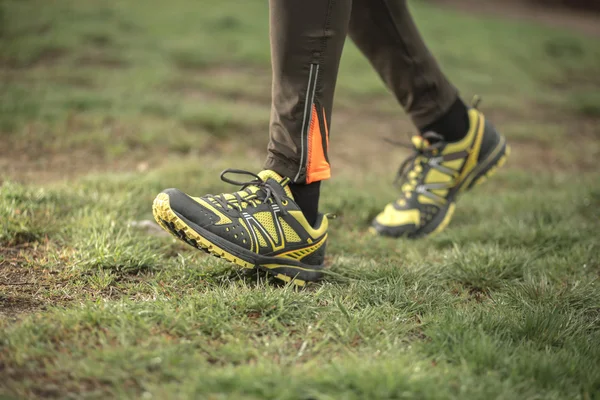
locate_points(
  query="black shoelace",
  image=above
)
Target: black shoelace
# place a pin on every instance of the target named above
(253, 199)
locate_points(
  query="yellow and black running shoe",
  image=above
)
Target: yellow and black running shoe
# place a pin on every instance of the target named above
(258, 226)
(436, 174)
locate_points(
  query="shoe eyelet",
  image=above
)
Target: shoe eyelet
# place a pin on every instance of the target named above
(284, 202)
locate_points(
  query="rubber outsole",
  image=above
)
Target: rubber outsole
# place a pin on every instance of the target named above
(170, 221)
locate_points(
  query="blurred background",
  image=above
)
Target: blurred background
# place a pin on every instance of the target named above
(132, 85)
(104, 103)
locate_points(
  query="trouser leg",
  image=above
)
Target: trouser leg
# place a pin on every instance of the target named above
(307, 38)
(387, 35)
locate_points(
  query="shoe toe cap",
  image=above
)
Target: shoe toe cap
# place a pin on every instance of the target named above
(392, 231)
(189, 208)
(396, 222)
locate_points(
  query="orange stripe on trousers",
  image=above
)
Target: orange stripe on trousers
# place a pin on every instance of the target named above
(318, 169)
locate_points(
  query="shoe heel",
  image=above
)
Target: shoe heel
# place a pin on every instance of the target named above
(297, 276)
(492, 168)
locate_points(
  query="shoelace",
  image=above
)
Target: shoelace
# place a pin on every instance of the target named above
(237, 201)
(407, 177)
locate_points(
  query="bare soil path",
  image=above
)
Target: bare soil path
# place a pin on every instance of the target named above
(525, 10)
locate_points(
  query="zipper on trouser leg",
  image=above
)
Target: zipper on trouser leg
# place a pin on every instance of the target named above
(311, 89)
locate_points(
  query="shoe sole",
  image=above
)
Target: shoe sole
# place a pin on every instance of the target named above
(199, 238)
(480, 174)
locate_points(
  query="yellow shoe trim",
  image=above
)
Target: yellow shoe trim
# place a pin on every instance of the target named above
(162, 211)
(315, 233)
(223, 219)
(392, 217)
(501, 161)
(287, 279)
(446, 220)
(478, 127)
(272, 266)
(303, 252)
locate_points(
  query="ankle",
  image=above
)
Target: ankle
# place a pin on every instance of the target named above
(453, 125)
(307, 198)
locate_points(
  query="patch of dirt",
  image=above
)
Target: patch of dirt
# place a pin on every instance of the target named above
(50, 55)
(582, 5)
(13, 306)
(261, 80)
(40, 384)
(99, 40)
(49, 167)
(21, 285)
(100, 60)
(76, 81)
(524, 10)
(47, 56)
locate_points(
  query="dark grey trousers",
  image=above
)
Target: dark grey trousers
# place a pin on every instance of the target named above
(307, 38)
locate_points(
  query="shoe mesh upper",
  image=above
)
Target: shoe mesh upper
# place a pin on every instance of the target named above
(266, 220)
(290, 234)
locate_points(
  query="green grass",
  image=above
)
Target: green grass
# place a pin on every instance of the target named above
(504, 304)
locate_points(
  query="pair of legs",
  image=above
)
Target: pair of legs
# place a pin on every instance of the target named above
(272, 223)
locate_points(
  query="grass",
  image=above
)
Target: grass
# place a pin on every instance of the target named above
(104, 104)
(505, 307)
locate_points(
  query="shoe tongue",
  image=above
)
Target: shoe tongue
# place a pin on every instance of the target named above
(278, 183)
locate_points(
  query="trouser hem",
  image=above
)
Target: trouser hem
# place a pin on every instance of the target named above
(442, 105)
(283, 166)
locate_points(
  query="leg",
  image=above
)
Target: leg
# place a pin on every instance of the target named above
(386, 33)
(307, 38)
(457, 147)
(272, 222)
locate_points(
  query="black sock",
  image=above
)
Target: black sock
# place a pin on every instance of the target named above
(453, 125)
(307, 198)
